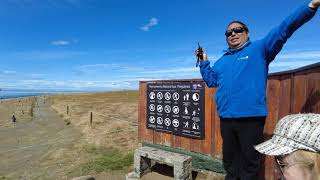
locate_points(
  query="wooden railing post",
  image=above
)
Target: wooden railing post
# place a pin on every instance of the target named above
(91, 118)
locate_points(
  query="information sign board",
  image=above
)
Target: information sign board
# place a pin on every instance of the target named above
(177, 108)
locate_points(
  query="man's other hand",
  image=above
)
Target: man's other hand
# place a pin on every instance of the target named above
(204, 55)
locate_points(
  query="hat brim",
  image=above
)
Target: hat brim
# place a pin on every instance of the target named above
(273, 149)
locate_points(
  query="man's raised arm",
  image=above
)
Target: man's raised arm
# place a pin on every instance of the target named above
(274, 41)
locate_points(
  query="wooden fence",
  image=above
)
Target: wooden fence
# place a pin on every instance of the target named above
(289, 92)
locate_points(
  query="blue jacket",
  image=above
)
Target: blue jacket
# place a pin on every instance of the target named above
(241, 76)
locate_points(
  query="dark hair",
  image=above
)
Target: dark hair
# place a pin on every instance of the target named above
(245, 27)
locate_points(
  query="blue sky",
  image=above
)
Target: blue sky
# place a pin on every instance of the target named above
(113, 44)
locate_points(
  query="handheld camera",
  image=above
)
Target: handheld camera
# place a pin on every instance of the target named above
(199, 55)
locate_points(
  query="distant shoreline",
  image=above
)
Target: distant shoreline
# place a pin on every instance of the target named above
(21, 96)
(12, 94)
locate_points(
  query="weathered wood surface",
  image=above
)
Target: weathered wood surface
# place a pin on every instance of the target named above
(296, 91)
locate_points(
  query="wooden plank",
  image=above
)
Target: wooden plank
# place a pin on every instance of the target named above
(218, 143)
(146, 135)
(213, 109)
(299, 93)
(316, 75)
(185, 143)
(273, 92)
(195, 145)
(312, 103)
(206, 143)
(176, 142)
(157, 137)
(140, 114)
(181, 142)
(284, 96)
(166, 139)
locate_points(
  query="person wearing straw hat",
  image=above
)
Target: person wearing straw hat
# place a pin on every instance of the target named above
(295, 144)
(240, 77)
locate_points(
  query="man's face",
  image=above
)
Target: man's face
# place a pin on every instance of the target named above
(236, 40)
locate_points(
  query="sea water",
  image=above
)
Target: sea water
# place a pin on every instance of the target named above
(14, 93)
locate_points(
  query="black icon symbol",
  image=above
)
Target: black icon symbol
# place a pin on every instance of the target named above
(167, 109)
(186, 110)
(186, 124)
(151, 107)
(196, 97)
(167, 122)
(152, 95)
(159, 108)
(186, 97)
(167, 96)
(195, 126)
(175, 96)
(160, 120)
(175, 109)
(175, 123)
(152, 119)
(159, 95)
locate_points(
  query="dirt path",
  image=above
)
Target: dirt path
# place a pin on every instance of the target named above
(35, 144)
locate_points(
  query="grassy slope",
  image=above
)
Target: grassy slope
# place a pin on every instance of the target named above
(112, 135)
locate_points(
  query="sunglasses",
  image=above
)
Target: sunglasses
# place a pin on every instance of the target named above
(236, 30)
(284, 165)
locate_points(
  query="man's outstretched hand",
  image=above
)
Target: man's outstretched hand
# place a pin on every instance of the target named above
(314, 4)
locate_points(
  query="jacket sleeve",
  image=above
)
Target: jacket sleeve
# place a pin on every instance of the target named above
(209, 75)
(273, 42)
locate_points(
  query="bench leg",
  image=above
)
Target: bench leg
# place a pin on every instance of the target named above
(183, 171)
(142, 165)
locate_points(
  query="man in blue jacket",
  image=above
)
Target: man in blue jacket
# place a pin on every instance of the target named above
(240, 76)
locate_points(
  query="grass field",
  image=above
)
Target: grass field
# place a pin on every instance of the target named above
(112, 135)
(46, 142)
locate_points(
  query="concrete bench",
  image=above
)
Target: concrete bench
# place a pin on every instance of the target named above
(146, 157)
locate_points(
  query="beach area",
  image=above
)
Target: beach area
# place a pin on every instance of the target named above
(63, 136)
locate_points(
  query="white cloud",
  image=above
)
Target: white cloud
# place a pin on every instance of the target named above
(294, 60)
(174, 70)
(288, 65)
(73, 84)
(92, 68)
(300, 55)
(60, 43)
(152, 22)
(44, 55)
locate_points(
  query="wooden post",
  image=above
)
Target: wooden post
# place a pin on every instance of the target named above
(67, 109)
(91, 118)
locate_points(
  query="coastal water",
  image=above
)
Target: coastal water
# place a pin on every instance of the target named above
(14, 93)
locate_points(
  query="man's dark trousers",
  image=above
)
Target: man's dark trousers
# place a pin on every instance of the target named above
(240, 160)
